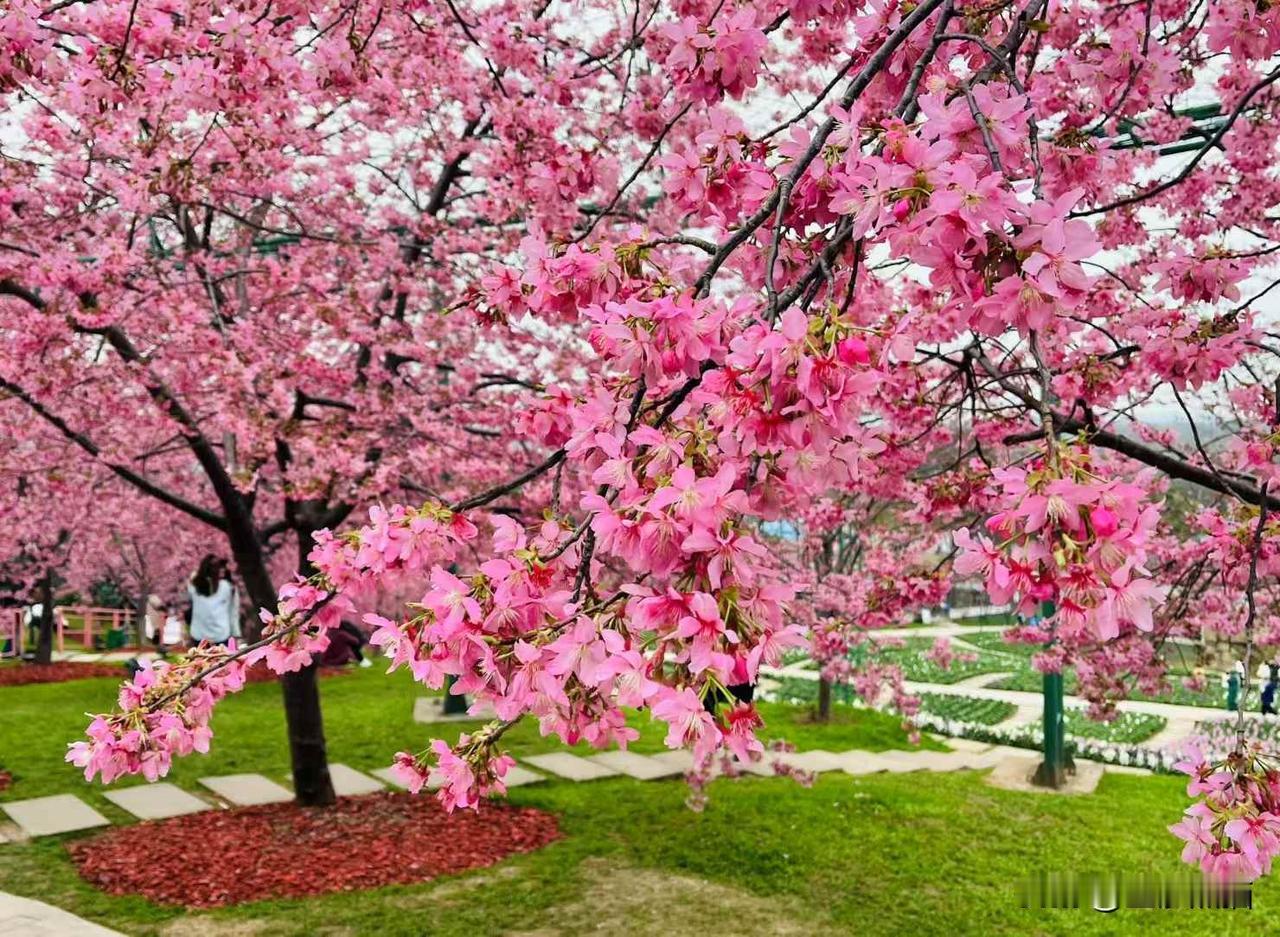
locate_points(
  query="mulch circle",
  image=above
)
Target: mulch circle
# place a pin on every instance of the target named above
(57, 672)
(225, 857)
(62, 671)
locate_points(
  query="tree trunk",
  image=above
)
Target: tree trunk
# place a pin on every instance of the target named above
(44, 642)
(824, 700)
(312, 786)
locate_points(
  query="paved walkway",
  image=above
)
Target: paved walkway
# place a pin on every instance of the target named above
(943, 630)
(972, 687)
(23, 917)
(1170, 711)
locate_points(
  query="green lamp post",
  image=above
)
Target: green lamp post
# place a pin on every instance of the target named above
(1053, 769)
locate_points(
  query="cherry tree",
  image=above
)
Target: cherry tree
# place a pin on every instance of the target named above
(751, 258)
(225, 235)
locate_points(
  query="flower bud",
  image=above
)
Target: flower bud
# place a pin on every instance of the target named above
(1105, 523)
(853, 350)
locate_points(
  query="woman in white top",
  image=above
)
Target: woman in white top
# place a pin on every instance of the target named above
(215, 604)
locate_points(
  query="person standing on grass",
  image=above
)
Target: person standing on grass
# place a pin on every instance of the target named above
(1269, 699)
(215, 603)
(1233, 681)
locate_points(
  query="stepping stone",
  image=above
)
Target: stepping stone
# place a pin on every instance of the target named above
(678, 759)
(859, 762)
(943, 761)
(899, 762)
(433, 781)
(247, 790)
(966, 745)
(816, 760)
(516, 776)
(348, 782)
(431, 709)
(764, 767)
(24, 917)
(156, 801)
(570, 766)
(978, 761)
(45, 816)
(640, 767)
(386, 775)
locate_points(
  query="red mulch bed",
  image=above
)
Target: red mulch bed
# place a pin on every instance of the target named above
(260, 673)
(62, 671)
(223, 857)
(57, 672)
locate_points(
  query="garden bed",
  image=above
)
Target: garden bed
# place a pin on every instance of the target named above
(58, 672)
(1126, 728)
(971, 709)
(1212, 696)
(218, 858)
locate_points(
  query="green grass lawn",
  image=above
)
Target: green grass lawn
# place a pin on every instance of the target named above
(917, 667)
(885, 854)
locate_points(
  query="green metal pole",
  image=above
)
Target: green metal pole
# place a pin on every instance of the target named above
(1052, 771)
(453, 705)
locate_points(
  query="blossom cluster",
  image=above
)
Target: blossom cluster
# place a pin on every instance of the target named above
(1068, 536)
(1233, 830)
(164, 712)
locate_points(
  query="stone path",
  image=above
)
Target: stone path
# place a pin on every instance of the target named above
(155, 801)
(1175, 731)
(247, 790)
(429, 709)
(65, 813)
(348, 782)
(566, 765)
(982, 679)
(46, 816)
(23, 917)
(637, 766)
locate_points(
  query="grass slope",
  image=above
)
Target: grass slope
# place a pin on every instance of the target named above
(888, 854)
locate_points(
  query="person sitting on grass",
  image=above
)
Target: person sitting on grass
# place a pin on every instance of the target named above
(346, 644)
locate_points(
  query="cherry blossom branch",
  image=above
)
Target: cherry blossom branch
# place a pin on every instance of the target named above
(519, 481)
(1195, 436)
(125, 473)
(1249, 596)
(859, 83)
(635, 174)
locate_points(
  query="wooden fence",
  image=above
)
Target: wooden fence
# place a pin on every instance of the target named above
(82, 624)
(10, 632)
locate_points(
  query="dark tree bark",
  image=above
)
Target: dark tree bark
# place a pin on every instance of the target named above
(44, 641)
(312, 785)
(824, 700)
